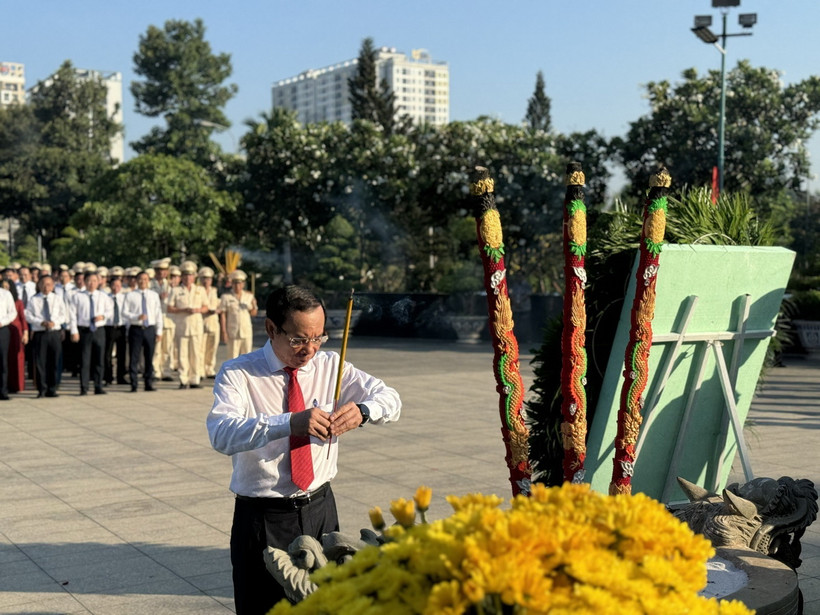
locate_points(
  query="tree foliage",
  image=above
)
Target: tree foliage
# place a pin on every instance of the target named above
(538, 108)
(370, 98)
(159, 205)
(52, 149)
(183, 82)
(767, 126)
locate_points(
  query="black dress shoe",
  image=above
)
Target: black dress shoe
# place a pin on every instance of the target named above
(133, 389)
(196, 386)
(123, 382)
(4, 397)
(99, 391)
(40, 394)
(183, 386)
(167, 379)
(52, 394)
(83, 392)
(149, 387)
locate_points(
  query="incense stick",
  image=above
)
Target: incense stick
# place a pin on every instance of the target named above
(345, 335)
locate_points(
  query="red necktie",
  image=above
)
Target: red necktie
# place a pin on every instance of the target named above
(301, 460)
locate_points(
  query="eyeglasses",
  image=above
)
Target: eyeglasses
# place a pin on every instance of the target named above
(298, 342)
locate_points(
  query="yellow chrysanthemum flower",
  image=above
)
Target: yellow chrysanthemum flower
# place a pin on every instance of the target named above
(404, 511)
(376, 518)
(423, 497)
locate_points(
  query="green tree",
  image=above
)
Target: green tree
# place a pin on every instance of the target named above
(152, 205)
(538, 107)
(594, 152)
(371, 99)
(52, 150)
(290, 184)
(183, 83)
(337, 256)
(767, 126)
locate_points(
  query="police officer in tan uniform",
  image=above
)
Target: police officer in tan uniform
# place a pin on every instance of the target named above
(164, 363)
(188, 302)
(235, 311)
(210, 322)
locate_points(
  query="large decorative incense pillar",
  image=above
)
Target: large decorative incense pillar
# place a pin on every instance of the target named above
(509, 385)
(574, 356)
(636, 363)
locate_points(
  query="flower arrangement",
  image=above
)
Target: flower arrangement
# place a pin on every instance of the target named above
(563, 550)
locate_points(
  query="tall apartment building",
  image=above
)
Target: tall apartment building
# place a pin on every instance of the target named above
(113, 102)
(420, 85)
(12, 83)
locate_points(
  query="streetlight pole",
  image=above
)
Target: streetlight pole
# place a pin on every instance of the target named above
(702, 31)
(722, 120)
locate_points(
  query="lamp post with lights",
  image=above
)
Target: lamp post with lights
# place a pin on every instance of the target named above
(702, 31)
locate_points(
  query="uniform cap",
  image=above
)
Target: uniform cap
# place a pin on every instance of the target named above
(116, 271)
(163, 263)
(151, 273)
(174, 270)
(188, 267)
(238, 276)
(102, 271)
(90, 268)
(45, 268)
(206, 272)
(78, 267)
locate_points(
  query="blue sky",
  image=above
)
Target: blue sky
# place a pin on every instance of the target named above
(596, 55)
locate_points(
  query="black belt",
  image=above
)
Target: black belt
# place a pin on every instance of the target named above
(293, 503)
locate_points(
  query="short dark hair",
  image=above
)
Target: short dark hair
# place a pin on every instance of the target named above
(291, 298)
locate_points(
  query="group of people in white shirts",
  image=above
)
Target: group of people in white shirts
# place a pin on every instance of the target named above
(110, 325)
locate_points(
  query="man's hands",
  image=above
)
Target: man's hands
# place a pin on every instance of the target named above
(317, 422)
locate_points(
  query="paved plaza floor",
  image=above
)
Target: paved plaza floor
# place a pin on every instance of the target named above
(117, 504)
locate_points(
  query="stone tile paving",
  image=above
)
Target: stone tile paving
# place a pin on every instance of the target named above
(117, 504)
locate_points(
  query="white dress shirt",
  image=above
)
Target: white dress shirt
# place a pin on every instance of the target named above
(132, 309)
(8, 311)
(119, 300)
(80, 309)
(30, 288)
(35, 311)
(248, 419)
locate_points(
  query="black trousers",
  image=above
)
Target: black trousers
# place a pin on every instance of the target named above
(5, 340)
(115, 337)
(92, 354)
(142, 339)
(47, 349)
(258, 524)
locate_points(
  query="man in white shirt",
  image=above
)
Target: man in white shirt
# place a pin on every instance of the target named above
(89, 311)
(8, 313)
(26, 288)
(116, 334)
(272, 414)
(143, 311)
(46, 314)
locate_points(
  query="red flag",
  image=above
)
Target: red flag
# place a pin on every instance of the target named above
(715, 191)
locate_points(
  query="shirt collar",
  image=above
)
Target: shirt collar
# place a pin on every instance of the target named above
(276, 365)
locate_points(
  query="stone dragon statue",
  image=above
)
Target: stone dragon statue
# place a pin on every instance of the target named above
(766, 515)
(292, 568)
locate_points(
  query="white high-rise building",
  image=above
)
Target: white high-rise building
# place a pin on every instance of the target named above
(12, 84)
(113, 102)
(420, 85)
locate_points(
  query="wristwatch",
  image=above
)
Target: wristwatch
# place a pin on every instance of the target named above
(365, 414)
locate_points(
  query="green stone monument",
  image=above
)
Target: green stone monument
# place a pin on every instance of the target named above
(715, 312)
